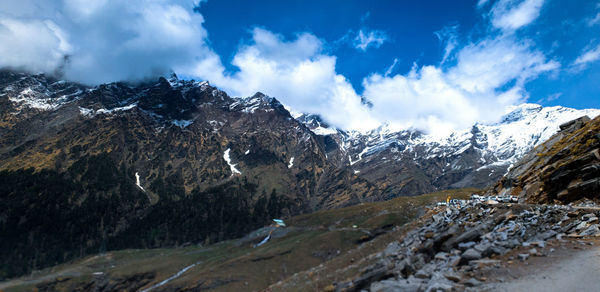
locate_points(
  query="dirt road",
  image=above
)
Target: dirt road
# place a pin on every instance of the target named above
(571, 270)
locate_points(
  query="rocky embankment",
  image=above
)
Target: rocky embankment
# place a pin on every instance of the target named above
(456, 241)
(563, 169)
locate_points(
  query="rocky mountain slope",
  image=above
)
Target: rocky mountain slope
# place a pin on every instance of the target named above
(161, 163)
(121, 166)
(186, 130)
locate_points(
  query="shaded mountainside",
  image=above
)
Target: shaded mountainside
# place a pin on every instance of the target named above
(86, 169)
(563, 169)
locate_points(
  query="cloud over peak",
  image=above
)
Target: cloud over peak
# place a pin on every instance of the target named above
(104, 41)
(297, 72)
(477, 78)
(488, 76)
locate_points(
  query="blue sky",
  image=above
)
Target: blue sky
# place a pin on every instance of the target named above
(411, 29)
(433, 65)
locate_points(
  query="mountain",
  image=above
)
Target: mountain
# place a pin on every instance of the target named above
(160, 163)
(169, 128)
(85, 169)
(416, 243)
(411, 162)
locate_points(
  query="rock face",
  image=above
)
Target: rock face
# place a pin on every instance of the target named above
(561, 170)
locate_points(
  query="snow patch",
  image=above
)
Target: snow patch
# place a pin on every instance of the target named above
(182, 123)
(291, 162)
(41, 100)
(86, 111)
(324, 131)
(137, 182)
(265, 240)
(116, 109)
(177, 275)
(234, 170)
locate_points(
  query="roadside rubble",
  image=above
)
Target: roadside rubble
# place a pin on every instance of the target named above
(465, 235)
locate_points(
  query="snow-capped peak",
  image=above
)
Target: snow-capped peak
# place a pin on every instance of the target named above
(499, 144)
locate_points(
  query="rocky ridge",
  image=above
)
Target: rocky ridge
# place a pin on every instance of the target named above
(396, 163)
(165, 128)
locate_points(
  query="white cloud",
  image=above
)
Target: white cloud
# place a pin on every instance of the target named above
(391, 68)
(594, 20)
(589, 55)
(492, 63)
(365, 39)
(448, 36)
(296, 72)
(488, 77)
(32, 45)
(121, 41)
(481, 3)
(510, 15)
(137, 39)
(549, 98)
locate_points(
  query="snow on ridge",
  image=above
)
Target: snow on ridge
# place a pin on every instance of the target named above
(86, 111)
(320, 130)
(502, 143)
(531, 130)
(40, 100)
(116, 109)
(90, 112)
(234, 170)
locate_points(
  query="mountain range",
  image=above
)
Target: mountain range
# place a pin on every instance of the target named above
(411, 162)
(167, 162)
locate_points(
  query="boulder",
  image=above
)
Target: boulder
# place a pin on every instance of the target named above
(470, 254)
(593, 230)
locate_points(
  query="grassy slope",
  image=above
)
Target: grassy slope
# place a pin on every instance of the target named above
(318, 249)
